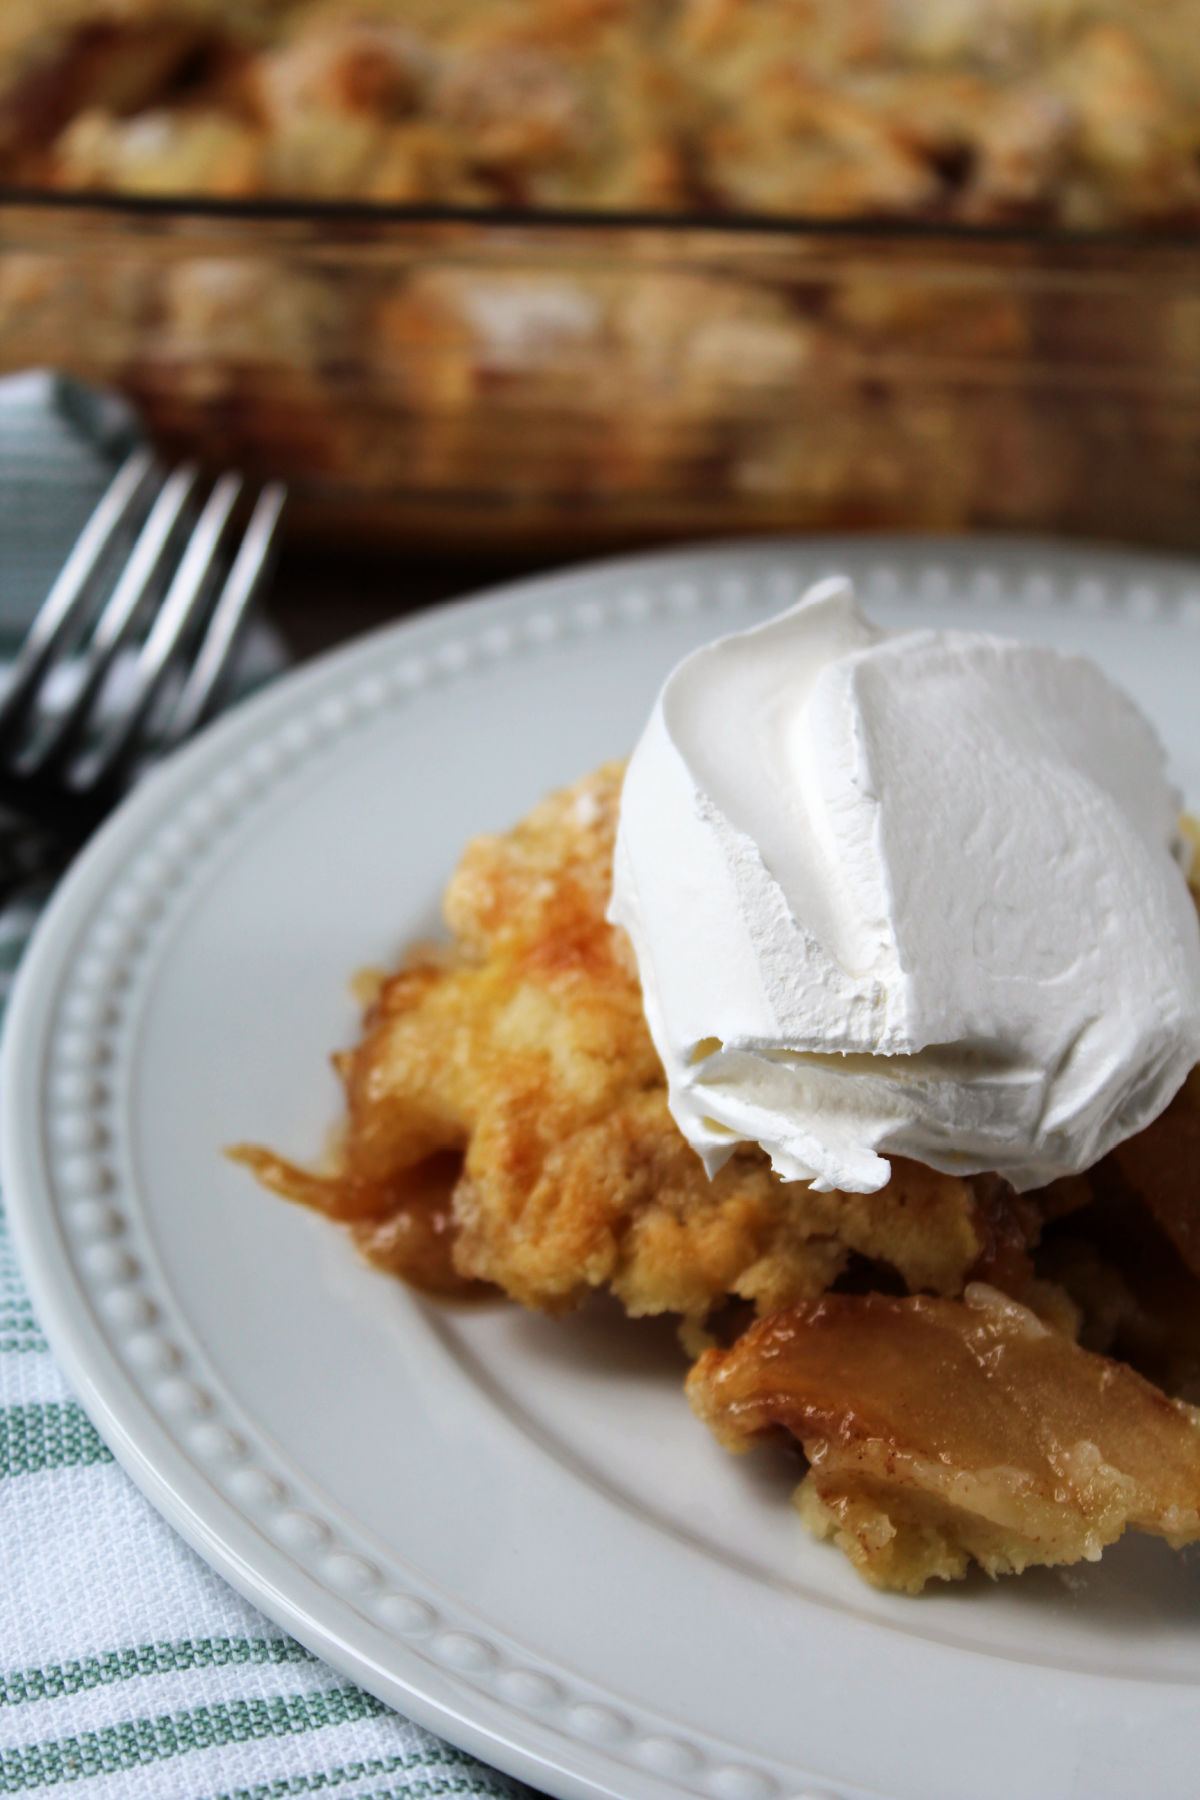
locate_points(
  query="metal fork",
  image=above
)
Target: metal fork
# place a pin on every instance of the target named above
(174, 608)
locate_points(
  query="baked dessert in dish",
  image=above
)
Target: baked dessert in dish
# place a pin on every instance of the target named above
(975, 1368)
(1087, 115)
(422, 378)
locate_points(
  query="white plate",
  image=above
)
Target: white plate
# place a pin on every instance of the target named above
(513, 1529)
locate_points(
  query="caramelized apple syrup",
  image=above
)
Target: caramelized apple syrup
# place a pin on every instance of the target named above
(403, 1225)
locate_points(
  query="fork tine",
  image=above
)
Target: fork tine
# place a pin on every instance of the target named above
(73, 588)
(119, 613)
(187, 594)
(250, 568)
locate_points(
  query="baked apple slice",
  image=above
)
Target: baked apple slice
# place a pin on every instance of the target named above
(940, 1431)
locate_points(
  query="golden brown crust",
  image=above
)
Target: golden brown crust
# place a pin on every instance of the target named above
(524, 1050)
(1010, 109)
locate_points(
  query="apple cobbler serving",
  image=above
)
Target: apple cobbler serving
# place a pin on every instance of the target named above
(507, 1122)
(979, 1363)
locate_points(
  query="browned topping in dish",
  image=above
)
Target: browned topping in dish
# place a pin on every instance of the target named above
(1086, 114)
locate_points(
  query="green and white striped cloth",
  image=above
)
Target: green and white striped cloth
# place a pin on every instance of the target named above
(128, 1670)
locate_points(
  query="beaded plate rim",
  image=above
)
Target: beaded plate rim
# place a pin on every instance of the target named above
(72, 1201)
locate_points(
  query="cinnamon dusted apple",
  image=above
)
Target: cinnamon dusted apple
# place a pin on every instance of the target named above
(1162, 1167)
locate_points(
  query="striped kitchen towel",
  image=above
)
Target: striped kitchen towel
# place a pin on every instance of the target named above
(128, 1670)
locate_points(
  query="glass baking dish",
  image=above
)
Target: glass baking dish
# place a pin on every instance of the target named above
(535, 382)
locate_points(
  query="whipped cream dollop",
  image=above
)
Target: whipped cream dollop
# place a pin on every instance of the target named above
(918, 894)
